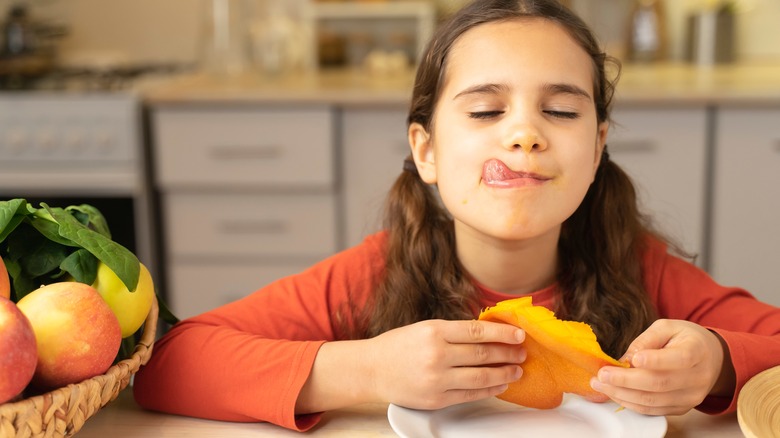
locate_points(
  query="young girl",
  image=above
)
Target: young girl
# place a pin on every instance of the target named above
(509, 191)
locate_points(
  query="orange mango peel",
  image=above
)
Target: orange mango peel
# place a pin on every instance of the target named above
(562, 355)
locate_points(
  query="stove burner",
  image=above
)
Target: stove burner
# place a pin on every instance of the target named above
(88, 79)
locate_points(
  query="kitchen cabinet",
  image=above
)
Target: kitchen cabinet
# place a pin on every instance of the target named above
(375, 146)
(664, 150)
(247, 194)
(746, 242)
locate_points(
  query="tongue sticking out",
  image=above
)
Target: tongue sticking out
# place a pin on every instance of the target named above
(495, 171)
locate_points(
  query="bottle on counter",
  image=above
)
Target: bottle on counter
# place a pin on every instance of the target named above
(647, 37)
(711, 34)
(225, 47)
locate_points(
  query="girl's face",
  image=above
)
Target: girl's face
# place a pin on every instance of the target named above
(515, 141)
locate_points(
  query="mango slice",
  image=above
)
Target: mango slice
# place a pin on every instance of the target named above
(562, 355)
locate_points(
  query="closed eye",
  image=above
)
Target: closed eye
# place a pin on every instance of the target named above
(485, 114)
(563, 114)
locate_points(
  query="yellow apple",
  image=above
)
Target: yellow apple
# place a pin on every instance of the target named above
(130, 308)
(77, 334)
(5, 281)
(19, 353)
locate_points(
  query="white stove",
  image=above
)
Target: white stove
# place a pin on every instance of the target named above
(71, 142)
(77, 137)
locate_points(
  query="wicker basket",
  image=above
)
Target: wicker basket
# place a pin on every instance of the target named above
(62, 412)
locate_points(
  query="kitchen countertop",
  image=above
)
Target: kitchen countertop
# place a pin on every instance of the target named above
(677, 83)
(123, 418)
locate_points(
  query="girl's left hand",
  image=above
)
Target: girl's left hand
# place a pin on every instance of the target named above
(675, 366)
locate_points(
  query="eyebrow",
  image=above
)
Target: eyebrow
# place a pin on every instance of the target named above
(567, 89)
(483, 89)
(559, 88)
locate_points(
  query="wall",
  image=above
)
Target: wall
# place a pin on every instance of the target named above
(171, 30)
(139, 30)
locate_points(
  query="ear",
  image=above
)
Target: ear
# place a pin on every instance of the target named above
(422, 152)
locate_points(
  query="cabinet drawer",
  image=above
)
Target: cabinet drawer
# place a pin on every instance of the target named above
(746, 243)
(250, 225)
(247, 147)
(198, 287)
(665, 153)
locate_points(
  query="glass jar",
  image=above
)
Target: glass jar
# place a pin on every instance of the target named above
(225, 47)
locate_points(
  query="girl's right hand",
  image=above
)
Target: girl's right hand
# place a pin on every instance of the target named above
(436, 363)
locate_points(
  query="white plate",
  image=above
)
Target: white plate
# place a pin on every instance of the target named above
(575, 417)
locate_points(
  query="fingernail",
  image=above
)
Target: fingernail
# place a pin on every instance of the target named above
(595, 384)
(518, 373)
(520, 335)
(522, 356)
(638, 360)
(604, 375)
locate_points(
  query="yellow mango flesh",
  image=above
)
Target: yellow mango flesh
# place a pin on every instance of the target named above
(562, 355)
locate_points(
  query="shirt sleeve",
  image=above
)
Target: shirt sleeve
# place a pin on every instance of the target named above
(750, 328)
(248, 360)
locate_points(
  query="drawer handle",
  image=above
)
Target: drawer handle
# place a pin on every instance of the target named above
(261, 226)
(637, 146)
(269, 152)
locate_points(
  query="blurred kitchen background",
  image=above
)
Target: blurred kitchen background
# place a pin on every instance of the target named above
(231, 142)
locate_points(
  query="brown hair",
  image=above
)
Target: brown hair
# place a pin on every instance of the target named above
(599, 272)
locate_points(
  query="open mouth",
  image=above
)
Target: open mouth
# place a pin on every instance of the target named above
(496, 173)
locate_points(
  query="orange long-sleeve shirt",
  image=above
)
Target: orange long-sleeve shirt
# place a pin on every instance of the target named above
(248, 360)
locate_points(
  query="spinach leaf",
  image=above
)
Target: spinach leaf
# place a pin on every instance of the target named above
(35, 254)
(121, 260)
(90, 216)
(12, 213)
(50, 229)
(82, 265)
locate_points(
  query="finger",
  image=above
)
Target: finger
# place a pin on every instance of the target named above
(458, 355)
(482, 377)
(669, 358)
(655, 337)
(649, 403)
(474, 331)
(654, 410)
(644, 380)
(457, 396)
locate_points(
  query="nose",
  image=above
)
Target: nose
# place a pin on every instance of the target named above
(525, 136)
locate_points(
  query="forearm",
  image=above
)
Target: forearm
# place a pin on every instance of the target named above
(220, 373)
(341, 376)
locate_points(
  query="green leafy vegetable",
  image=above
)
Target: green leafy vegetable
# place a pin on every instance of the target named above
(49, 244)
(43, 245)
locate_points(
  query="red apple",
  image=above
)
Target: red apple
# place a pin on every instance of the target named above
(19, 351)
(78, 335)
(5, 281)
